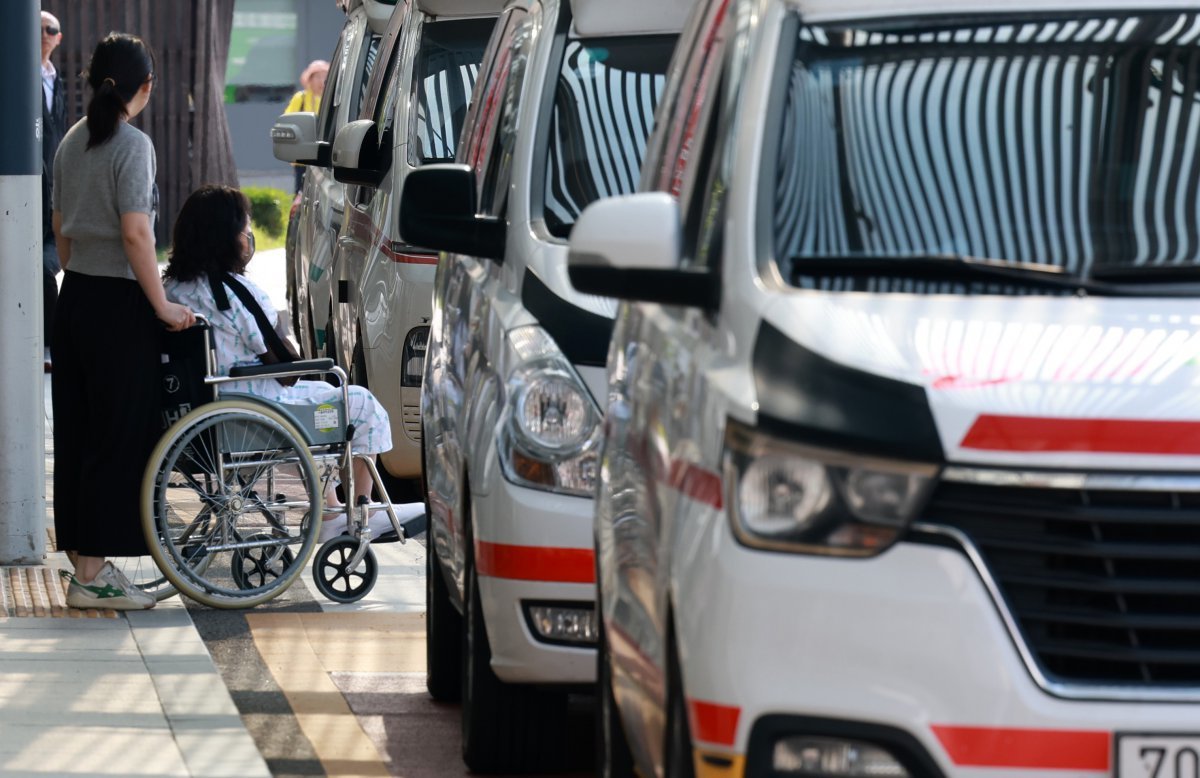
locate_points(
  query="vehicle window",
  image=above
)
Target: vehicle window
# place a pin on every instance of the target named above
(326, 116)
(385, 106)
(604, 105)
(1069, 142)
(684, 111)
(372, 54)
(444, 75)
(477, 128)
(499, 116)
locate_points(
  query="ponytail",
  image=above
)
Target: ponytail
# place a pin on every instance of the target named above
(120, 65)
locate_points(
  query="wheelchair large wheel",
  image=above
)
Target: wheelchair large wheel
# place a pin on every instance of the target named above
(226, 504)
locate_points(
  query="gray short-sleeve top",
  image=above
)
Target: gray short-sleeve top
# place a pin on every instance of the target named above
(93, 187)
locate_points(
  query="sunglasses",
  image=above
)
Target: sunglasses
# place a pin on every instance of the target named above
(51, 31)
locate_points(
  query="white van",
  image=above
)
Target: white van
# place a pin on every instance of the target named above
(901, 455)
(307, 138)
(413, 115)
(513, 386)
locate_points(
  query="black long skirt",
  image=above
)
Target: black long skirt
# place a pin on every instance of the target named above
(106, 419)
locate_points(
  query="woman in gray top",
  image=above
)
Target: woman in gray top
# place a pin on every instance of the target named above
(106, 331)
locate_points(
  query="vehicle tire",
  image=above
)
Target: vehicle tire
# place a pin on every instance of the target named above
(358, 365)
(506, 728)
(309, 347)
(330, 343)
(443, 633)
(612, 747)
(677, 750)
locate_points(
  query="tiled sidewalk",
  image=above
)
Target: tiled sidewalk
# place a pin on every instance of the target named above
(99, 693)
(136, 695)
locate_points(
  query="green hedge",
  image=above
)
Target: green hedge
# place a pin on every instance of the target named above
(268, 208)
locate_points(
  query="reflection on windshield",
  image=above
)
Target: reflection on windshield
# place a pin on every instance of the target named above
(447, 67)
(603, 111)
(1065, 141)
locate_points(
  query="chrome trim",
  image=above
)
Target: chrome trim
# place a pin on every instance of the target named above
(1070, 691)
(1053, 479)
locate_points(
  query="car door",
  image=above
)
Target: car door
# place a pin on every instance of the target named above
(358, 233)
(459, 370)
(658, 421)
(324, 197)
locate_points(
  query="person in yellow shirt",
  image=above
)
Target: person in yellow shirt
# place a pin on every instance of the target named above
(312, 86)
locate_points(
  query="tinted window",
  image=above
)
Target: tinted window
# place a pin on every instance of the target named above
(500, 115)
(372, 54)
(603, 112)
(444, 75)
(1070, 142)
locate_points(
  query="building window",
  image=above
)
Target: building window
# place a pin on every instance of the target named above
(262, 52)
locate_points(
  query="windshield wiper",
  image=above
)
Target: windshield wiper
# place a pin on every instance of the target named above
(1148, 274)
(945, 267)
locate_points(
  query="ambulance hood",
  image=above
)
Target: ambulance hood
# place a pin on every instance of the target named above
(1075, 382)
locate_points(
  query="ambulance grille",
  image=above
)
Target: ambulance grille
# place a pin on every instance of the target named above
(1104, 584)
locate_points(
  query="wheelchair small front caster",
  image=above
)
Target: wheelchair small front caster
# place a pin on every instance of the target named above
(332, 573)
(255, 567)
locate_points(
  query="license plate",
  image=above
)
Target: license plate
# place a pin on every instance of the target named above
(1158, 756)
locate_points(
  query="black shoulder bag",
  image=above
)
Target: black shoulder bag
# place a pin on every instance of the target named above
(278, 350)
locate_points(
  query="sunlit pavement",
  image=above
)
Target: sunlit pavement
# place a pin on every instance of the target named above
(298, 686)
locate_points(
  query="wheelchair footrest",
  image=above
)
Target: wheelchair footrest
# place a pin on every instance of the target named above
(412, 527)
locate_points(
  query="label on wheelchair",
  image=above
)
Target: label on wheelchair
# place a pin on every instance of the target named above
(325, 418)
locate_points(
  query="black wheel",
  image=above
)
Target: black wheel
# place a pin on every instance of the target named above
(309, 346)
(678, 748)
(257, 566)
(330, 344)
(332, 573)
(289, 266)
(358, 365)
(616, 760)
(443, 633)
(227, 472)
(506, 728)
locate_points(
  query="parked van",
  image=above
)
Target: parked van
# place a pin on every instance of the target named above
(307, 138)
(513, 388)
(413, 115)
(900, 457)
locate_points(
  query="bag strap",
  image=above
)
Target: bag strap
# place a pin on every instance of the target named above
(218, 282)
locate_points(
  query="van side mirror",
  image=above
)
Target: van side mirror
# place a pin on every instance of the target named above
(438, 210)
(358, 156)
(629, 247)
(294, 139)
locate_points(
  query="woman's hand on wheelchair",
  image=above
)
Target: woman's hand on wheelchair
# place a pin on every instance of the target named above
(177, 317)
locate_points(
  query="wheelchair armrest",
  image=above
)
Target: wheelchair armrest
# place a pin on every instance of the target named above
(302, 367)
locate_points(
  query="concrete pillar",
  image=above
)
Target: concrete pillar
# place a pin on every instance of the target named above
(22, 404)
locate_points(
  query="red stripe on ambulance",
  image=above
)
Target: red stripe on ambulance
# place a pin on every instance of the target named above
(1044, 749)
(1105, 436)
(535, 563)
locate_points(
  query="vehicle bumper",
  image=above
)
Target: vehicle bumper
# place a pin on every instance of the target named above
(909, 642)
(533, 546)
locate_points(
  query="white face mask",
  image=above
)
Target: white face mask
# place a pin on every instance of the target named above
(249, 244)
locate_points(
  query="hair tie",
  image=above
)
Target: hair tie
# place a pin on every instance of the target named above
(110, 81)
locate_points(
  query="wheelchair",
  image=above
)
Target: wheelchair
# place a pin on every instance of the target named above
(233, 494)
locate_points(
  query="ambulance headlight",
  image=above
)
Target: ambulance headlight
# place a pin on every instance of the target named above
(787, 496)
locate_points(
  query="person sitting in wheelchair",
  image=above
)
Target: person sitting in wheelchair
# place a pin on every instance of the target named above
(212, 238)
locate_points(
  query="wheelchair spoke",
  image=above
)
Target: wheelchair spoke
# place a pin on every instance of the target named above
(232, 506)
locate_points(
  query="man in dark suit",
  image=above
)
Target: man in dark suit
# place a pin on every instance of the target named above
(54, 126)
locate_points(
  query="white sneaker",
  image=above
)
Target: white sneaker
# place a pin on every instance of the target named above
(110, 589)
